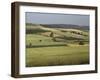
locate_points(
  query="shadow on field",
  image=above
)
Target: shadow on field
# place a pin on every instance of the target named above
(37, 46)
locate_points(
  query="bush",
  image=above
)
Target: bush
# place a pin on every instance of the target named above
(30, 45)
(40, 40)
(51, 34)
(81, 43)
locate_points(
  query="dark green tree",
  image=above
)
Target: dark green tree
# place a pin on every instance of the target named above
(81, 43)
(51, 34)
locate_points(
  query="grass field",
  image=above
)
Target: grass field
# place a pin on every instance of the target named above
(62, 48)
(48, 56)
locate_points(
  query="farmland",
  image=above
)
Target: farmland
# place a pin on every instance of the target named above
(52, 46)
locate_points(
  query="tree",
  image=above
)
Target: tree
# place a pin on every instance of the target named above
(81, 43)
(30, 44)
(51, 34)
(40, 40)
(54, 39)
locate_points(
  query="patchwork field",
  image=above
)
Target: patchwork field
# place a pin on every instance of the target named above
(47, 46)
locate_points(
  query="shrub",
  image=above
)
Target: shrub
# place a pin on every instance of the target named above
(51, 34)
(54, 39)
(30, 45)
(81, 43)
(40, 40)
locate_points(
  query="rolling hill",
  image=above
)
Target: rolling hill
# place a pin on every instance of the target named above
(60, 33)
(52, 46)
(80, 27)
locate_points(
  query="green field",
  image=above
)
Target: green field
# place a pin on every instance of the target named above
(53, 46)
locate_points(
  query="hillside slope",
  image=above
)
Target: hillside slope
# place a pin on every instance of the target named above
(62, 33)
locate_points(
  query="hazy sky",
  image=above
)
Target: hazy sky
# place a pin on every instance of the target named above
(51, 18)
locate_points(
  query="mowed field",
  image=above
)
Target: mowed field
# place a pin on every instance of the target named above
(62, 48)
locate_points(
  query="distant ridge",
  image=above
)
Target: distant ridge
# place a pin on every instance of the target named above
(69, 26)
(65, 26)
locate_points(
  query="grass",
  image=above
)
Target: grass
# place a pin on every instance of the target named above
(34, 39)
(49, 56)
(42, 50)
(68, 32)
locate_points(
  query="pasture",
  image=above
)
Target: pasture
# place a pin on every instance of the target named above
(56, 46)
(52, 56)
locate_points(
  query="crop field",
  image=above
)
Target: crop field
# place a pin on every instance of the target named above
(47, 46)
